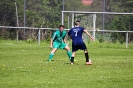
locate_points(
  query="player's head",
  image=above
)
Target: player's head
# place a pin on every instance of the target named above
(77, 23)
(61, 27)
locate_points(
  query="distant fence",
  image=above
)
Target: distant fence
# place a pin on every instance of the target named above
(53, 29)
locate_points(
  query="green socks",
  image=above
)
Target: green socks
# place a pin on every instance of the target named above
(50, 56)
(69, 54)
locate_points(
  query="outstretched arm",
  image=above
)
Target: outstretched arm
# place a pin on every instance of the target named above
(52, 39)
(64, 39)
(88, 34)
(51, 43)
(69, 34)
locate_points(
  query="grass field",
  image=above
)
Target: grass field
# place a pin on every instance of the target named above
(25, 65)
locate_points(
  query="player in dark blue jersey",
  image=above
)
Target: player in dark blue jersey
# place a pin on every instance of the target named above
(77, 42)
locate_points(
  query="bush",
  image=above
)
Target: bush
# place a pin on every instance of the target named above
(101, 39)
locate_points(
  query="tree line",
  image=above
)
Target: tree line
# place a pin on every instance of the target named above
(47, 14)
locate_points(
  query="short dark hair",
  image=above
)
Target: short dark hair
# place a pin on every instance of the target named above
(78, 21)
(61, 26)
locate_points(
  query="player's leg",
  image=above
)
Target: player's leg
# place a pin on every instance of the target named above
(68, 52)
(88, 62)
(64, 46)
(72, 58)
(52, 54)
(74, 49)
(55, 47)
(86, 54)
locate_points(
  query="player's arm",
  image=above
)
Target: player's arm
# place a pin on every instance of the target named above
(52, 39)
(64, 36)
(51, 43)
(88, 34)
(64, 39)
(69, 34)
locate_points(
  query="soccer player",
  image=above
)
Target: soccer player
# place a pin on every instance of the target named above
(77, 42)
(58, 41)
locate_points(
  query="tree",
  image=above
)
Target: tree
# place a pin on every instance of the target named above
(121, 22)
(7, 14)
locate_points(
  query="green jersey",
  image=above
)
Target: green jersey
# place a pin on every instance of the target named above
(58, 36)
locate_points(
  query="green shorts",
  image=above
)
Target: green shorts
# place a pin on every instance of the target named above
(59, 45)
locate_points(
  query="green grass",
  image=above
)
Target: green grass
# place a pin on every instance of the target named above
(25, 65)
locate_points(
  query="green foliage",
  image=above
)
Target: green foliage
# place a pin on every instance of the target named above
(29, 40)
(7, 12)
(101, 39)
(121, 23)
(47, 14)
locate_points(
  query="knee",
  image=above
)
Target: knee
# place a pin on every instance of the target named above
(85, 51)
(67, 48)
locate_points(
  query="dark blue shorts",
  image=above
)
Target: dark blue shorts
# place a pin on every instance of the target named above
(77, 47)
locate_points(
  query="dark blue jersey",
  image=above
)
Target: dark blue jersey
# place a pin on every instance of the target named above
(76, 35)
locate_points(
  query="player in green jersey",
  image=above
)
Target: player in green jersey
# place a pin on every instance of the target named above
(58, 41)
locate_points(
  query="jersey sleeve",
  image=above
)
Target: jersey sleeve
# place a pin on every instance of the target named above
(53, 36)
(69, 32)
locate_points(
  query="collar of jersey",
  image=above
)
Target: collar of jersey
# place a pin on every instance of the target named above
(77, 26)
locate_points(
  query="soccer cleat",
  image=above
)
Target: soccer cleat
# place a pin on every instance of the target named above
(49, 60)
(71, 63)
(88, 63)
